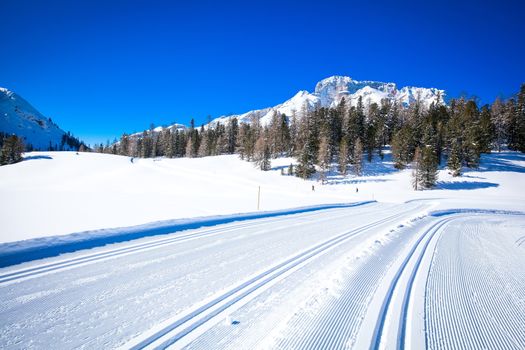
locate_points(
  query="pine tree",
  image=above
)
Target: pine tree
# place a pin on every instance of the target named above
(471, 134)
(294, 130)
(323, 157)
(343, 156)
(519, 139)
(403, 147)
(189, 148)
(499, 123)
(357, 158)
(262, 152)
(425, 172)
(124, 145)
(146, 145)
(416, 172)
(232, 130)
(307, 143)
(305, 166)
(486, 130)
(12, 149)
(203, 147)
(455, 159)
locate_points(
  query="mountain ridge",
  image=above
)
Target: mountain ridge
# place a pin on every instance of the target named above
(19, 117)
(328, 92)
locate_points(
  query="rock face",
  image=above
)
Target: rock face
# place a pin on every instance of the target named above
(18, 117)
(329, 92)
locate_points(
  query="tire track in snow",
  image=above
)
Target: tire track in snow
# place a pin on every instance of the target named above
(183, 326)
(36, 271)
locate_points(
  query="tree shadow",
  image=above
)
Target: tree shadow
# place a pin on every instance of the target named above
(464, 185)
(37, 157)
(505, 161)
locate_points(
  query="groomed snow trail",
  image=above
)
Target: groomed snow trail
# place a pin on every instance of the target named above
(380, 276)
(383, 299)
(124, 294)
(475, 295)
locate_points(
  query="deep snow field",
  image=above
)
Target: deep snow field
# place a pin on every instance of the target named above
(384, 267)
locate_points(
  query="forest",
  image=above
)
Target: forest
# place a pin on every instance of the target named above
(320, 139)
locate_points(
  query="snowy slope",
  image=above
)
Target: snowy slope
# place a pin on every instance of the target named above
(54, 193)
(329, 92)
(18, 117)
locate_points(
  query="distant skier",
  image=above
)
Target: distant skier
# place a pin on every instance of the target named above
(313, 188)
(356, 190)
(131, 159)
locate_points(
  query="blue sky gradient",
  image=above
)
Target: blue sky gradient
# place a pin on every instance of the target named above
(102, 68)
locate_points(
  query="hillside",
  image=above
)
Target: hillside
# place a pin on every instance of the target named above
(19, 117)
(56, 193)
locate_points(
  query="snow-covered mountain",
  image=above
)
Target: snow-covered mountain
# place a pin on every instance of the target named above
(329, 92)
(18, 117)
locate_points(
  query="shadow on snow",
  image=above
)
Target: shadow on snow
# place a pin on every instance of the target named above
(37, 157)
(12, 253)
(464, 185)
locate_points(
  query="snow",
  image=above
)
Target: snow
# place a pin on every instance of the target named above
(56, 193)
(18, 117)
(396, 269)
(329, 92)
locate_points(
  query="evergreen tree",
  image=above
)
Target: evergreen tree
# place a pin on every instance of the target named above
(357, 158)
(305, 166)
(343, 156)
(471, 134)
(486, 130)
(204, 145)
(294, 130)
(262, 152)
(12, 149)
(425, 170)
(323, 158)
(232, 131)
(518, 141)
(124, 145)
(499, 123)
(402, 147)
(416, 170)
(189, 148)
(455, 159)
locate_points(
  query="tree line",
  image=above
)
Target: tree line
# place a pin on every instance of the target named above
(453, 135)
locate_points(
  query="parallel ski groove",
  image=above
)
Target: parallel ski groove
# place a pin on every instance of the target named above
(249, 287)
(424, 239)
(56, 266)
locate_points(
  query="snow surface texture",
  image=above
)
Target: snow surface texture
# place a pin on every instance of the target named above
(18, 117)
(343, 277)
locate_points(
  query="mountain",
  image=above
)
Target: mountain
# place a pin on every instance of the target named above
(18, 117)
(329, 92)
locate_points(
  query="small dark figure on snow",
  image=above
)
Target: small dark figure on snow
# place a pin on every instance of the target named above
(356, 190)
(131, 159)
(313, 188)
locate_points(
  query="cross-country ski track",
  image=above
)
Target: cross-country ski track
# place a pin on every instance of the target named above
(376, 276)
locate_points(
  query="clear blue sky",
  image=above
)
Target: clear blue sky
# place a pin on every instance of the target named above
(101, 68)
